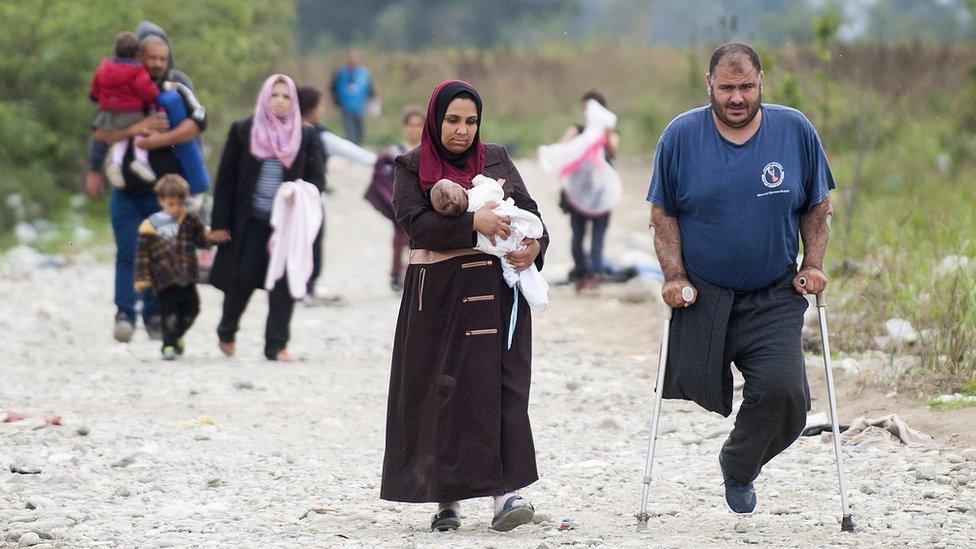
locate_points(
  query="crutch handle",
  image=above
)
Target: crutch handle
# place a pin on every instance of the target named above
(821, 298)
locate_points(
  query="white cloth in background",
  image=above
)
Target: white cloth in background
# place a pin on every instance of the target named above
(337, 146)
(296, 216)
(879, 430)
(524, 224)
(590, 183)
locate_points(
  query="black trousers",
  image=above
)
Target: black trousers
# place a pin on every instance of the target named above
(179, 306)
(588, 264)
(281, 305)
(763, 340)
(316, 260)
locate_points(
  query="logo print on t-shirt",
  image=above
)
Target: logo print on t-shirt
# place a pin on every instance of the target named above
(773, 175)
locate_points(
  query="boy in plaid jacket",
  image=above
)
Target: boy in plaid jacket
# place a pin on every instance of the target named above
(166, 260)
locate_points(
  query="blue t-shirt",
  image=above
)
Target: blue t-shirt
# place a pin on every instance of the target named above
(353, 88)
(739, 206)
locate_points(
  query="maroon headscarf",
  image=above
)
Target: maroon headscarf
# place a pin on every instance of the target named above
(438, 163)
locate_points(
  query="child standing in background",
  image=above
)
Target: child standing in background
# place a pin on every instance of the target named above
(166, 260)
(125, 92)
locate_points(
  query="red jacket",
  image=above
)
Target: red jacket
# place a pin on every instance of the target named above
(121, 85)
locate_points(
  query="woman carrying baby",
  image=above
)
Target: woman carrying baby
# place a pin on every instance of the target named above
(457, 419)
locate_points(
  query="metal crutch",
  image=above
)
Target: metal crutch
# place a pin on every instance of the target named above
(847, 522)
(687, 294)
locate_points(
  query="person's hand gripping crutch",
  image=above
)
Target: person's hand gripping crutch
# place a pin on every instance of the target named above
(813, 281)
(678, 293)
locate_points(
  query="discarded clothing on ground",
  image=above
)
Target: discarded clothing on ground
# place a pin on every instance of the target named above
(884, 429)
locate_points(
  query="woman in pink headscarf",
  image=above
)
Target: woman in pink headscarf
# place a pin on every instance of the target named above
(262, 152)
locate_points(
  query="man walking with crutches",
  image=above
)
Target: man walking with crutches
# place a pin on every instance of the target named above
(733, 186)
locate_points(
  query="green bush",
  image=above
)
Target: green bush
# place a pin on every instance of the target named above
(50, 48)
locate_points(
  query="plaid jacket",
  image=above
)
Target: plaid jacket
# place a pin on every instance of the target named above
(161, 264)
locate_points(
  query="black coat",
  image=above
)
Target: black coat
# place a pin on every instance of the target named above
(457, 418)
(234, 192)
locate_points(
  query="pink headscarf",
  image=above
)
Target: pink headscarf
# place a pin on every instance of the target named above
(273, 136)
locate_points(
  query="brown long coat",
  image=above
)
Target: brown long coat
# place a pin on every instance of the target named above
(457, 421)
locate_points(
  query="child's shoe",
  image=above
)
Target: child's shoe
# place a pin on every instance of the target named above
(169, 352)
(143, 171)
(179, 347)
(113, 172)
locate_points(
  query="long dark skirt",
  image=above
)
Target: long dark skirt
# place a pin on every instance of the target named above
(457, 422)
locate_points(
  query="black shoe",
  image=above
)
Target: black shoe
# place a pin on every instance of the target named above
(739, 497)
(154, 327)
(445, 520)
(516, 512)
(179, 347)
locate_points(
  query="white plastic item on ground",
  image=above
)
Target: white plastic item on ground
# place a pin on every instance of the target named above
(590, 183)
(956, 397)
(884, 429)
(900, 331)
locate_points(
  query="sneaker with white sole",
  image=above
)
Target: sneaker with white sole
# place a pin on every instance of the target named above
(514, 513)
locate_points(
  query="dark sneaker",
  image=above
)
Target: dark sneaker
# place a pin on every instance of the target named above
(154, 327)
(169, 352)
(445, 520)
(124, 328)
(516, 512)
(740, 498)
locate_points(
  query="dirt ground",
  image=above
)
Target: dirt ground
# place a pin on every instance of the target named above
(216, 452)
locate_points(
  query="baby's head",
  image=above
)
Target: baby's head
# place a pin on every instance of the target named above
(449, 198)
(126, 45)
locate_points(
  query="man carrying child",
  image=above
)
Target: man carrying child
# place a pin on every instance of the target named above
(135, 202)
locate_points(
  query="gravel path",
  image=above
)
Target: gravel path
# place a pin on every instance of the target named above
(211, 452)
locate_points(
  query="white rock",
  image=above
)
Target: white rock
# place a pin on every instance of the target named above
(850, 366)
(26, 465)
(900, 331)
(28, 539)
(39, 502)
(25, 232)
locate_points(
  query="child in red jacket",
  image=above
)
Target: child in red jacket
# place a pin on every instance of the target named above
(124, 92)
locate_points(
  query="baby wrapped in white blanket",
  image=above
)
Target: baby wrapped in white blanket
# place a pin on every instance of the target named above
(451, 200)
